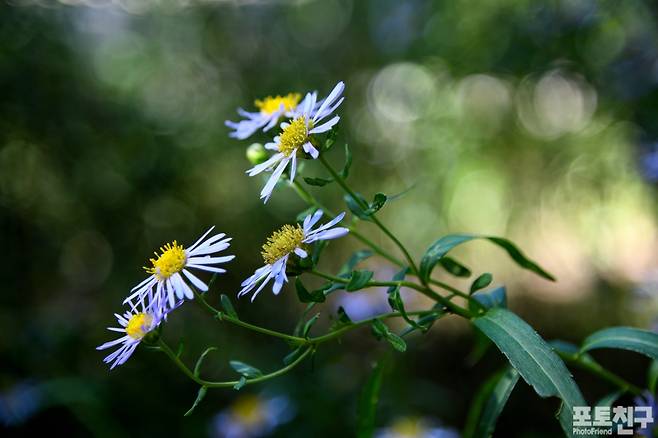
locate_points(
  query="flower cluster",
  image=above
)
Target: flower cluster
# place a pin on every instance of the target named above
(171, 273)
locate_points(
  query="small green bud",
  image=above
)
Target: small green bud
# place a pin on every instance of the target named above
(257, 154)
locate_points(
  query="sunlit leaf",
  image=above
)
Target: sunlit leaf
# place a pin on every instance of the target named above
(534, 359)
(625, 338)
(442, 246)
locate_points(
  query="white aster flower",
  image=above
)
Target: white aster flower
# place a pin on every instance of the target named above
(135, 325)
(175, 260)
(271, 109)
(296, 136)
(288, 240)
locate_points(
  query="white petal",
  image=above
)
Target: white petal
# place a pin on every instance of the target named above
(195, 281)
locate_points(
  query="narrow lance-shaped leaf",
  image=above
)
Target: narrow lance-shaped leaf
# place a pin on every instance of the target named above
(454, 267)
(367, 406)
(442, 246)
(228, 306)
(246, 370)
(481, 282)
(377, 203)
(318, 182)
(534, 359)
(381, 331)
(489, 403)
(355, 206)
(316, 296)
(358, 280)
(395, 299)
(625, 338)
(344, 173)
(199, 397)
(199, 362)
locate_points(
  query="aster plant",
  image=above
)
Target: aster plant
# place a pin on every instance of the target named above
(306, 132)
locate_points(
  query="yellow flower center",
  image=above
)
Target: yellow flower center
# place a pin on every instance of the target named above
(282, 242)
(248, 410)
(139, 325)
(271, 104)
(293, 136)
(171, 260)
(408, 428)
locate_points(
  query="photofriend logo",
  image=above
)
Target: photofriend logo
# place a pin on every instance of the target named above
(610, 421)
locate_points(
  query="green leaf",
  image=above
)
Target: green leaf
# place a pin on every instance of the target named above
(331, 138)
(454, 267)
(355, 206)
(377, 203)
(290, 358)
(442, 246)
(625, 338)
(367, 407)
(238, 386)
(246, 370)
(396, 341)
(489, 403)
(358, 280)
(199, 361)
(316, 296)
(344, 173)
(199, 397)
(395, 299)
(534, 359)
(356, 258)
(309, 324)
(494, 298)
(425, 321)
(481, 282)
(381, 331)
(652, 376)
(228, 306)
(318, 182)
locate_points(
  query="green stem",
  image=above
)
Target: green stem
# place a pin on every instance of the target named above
(598, 370)
(311, 200)
(422, 289)
(229, 384)
(337, 333)
(222, 316)
(364, 206)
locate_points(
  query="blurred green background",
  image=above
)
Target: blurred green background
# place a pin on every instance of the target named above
(529, 120)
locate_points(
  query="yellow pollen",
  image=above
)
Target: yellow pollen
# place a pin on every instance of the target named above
(139, 325)
(272, 104)
(282, 242)
(171, 260)
(248, 410)
(293, 136)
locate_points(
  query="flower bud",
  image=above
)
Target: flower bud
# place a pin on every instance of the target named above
(257, 154)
